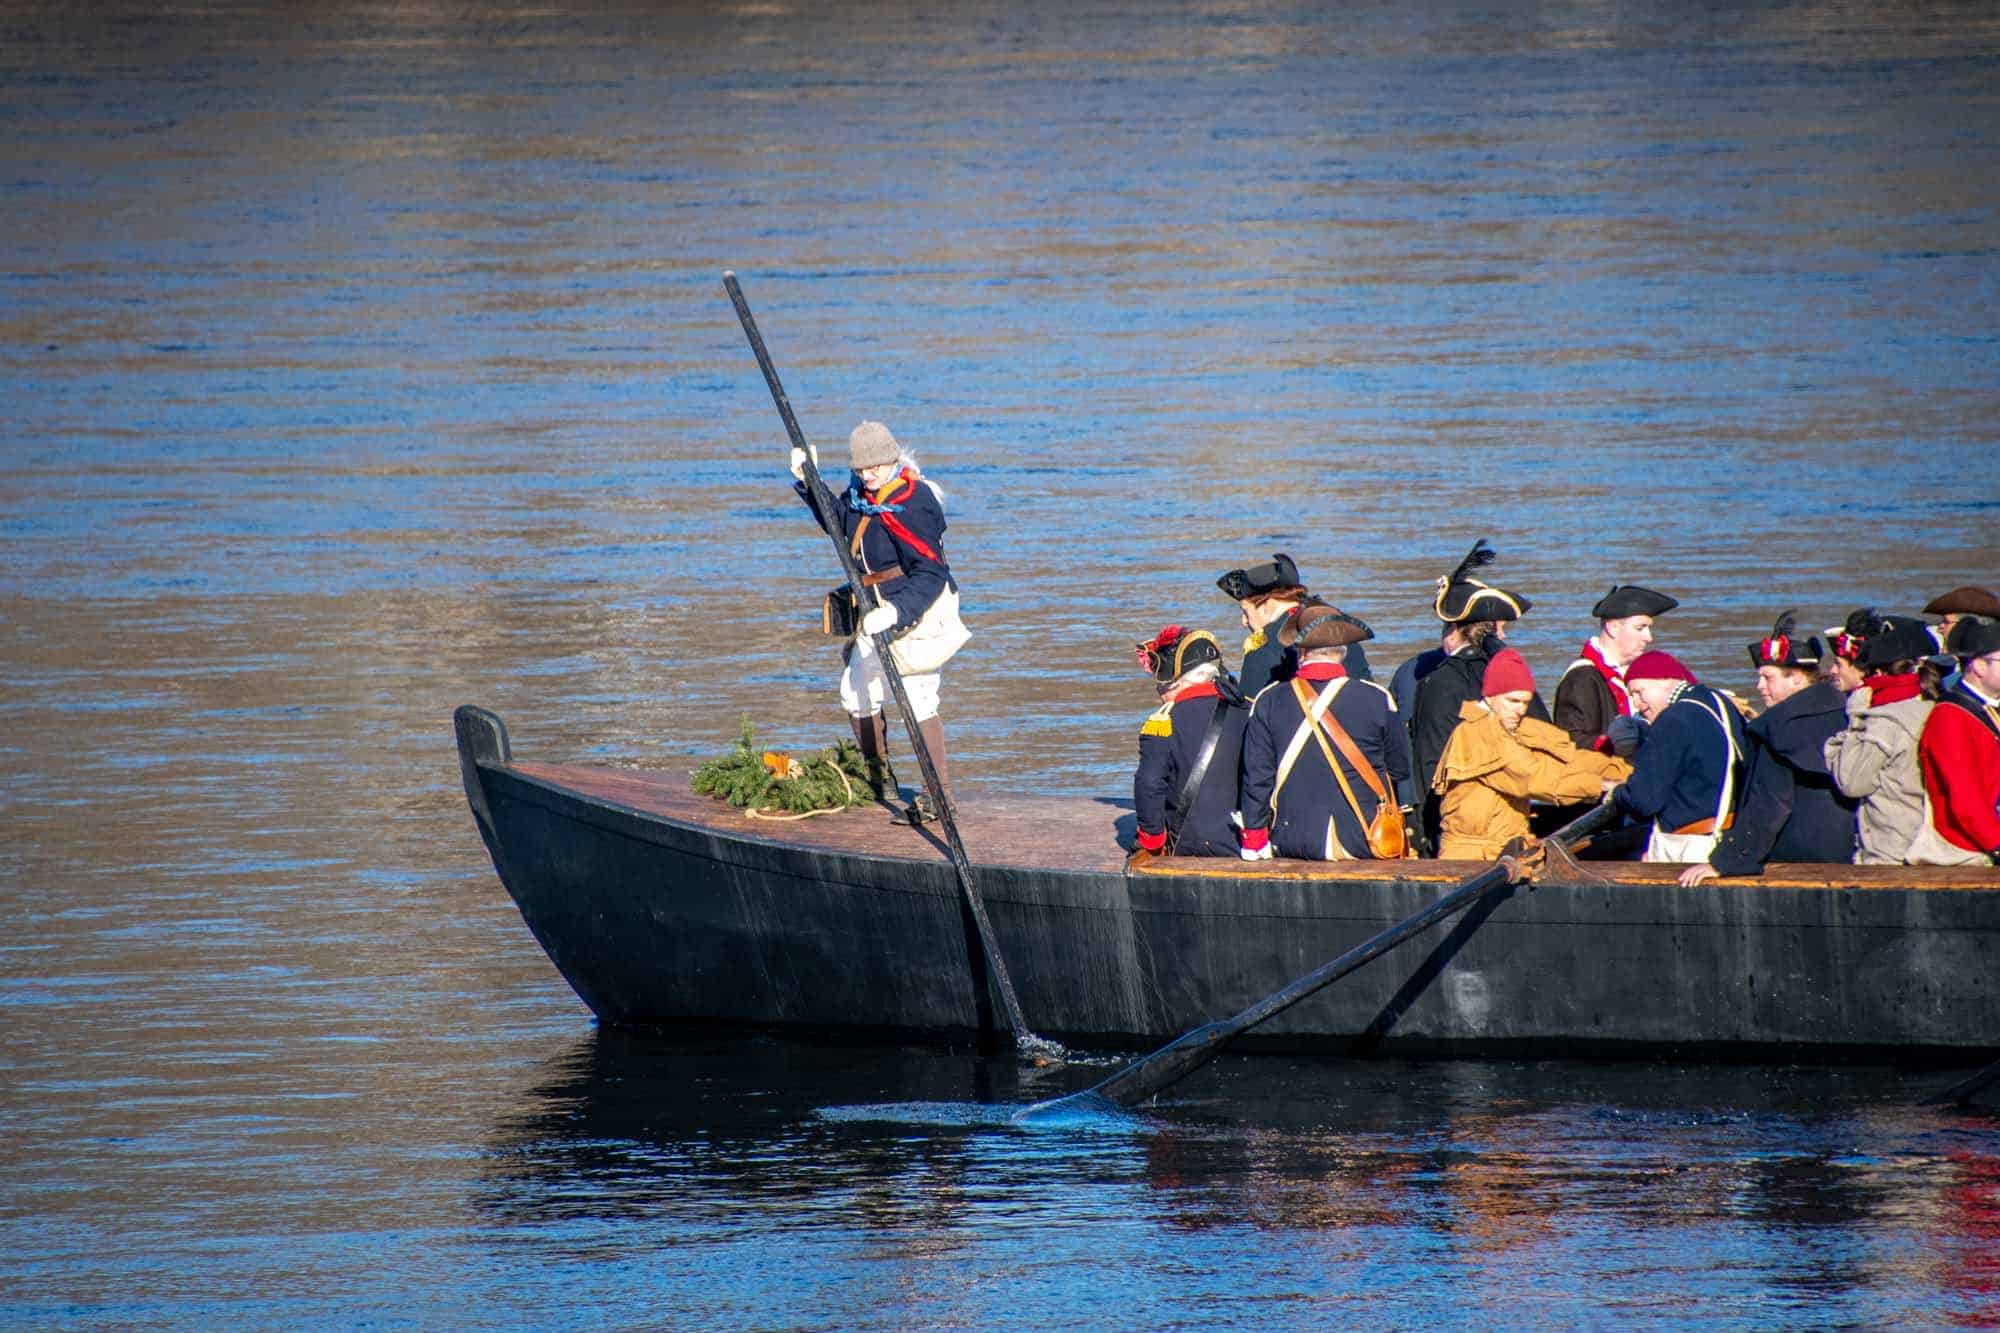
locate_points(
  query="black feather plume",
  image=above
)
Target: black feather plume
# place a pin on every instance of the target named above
(1785, 625)
(1480, 554)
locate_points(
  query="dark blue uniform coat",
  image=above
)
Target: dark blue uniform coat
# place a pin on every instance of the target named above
(1790, 810)
(1164, 762)
(922, 574)
(1271, 661)
(1677, 774)
(1311, 796)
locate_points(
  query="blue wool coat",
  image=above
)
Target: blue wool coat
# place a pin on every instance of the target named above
(1790, 810)
(1311, 796)
(1164, 762)
(921, 575)
(1677, 774)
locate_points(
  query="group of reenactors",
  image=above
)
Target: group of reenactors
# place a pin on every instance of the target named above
(1879, 744)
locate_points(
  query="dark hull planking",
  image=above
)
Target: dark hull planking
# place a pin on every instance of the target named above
(664, 908)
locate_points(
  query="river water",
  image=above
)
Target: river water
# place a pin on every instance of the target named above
(363, 359)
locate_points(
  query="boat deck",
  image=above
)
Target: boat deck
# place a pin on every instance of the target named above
(1080, 834)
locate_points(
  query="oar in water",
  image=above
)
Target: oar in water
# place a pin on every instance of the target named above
(1173, 1062)
(1039, 1049)
(1965, 1089)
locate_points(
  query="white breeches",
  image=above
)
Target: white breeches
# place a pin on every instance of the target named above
(1679, 848)
(864, 688)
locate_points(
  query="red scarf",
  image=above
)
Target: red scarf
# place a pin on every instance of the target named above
(1613, 676)
(898, 490)
(1321, 671)
(1890, 689)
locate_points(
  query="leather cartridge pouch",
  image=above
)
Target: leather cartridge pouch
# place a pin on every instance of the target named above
(838, 614)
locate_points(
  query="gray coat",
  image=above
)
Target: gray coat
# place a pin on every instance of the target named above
(1875, 761)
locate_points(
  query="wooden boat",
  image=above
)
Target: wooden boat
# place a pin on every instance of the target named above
(666, 908)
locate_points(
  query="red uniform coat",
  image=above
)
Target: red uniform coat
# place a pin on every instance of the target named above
(1959, 754)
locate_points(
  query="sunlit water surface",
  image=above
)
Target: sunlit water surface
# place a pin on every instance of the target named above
(362, 360)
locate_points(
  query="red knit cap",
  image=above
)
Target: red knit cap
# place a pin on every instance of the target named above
(1656, 665)
(1506, 671)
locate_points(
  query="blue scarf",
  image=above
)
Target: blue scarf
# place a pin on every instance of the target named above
(859, 505)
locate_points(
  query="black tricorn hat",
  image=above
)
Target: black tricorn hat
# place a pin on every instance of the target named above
(1896, 639)
(1317, 624)
(1629, 599)
(1966, 601)
(1464, 599)
(1174, 652)
(1780, 649)
(1974, 638)
(1278, 572)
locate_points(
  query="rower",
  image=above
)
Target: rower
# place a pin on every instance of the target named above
(1591, 697)
(1684, 776)
(1190, 749)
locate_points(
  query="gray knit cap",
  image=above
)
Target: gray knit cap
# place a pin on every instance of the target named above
(871, 445)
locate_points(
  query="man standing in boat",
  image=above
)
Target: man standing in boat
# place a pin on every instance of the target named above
(1591, 696)
(1956, 605)
(1790, 810)
(1317, 748)
(1481, 612)
(1266, 595)
(1190, 749)
(893, 520)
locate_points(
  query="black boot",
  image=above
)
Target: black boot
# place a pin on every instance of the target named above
(871, 737)
(922, 810)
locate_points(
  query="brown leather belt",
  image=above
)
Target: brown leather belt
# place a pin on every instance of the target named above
(880, 577)
(1704, 825)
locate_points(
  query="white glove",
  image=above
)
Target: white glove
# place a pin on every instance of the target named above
(1263, 853)
(799, 462)
(881, 619)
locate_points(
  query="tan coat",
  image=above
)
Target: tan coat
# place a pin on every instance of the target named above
(1875, 761)
(1487, 778)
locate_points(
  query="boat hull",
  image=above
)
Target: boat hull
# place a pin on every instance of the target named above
(664, 910)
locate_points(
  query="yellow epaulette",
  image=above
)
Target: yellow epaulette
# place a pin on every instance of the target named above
(1160, 723)
(1254, 642)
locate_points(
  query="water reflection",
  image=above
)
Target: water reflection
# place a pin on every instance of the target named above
(1521, 1165)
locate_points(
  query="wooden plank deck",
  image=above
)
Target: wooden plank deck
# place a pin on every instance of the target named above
(1080, 834)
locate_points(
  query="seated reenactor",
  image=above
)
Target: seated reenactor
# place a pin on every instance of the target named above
(1322, 751)
(1265, 595)
(1874, 760)
(1684, 776)
(1959, 755)
(1481, 613)
(1499, 759)
(1591, 697)
(1791, 810)
(1191, 749)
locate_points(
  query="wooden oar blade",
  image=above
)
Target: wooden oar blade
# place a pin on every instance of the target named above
(1141, 1080)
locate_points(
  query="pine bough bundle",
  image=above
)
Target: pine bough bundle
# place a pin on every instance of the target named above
(771, 783)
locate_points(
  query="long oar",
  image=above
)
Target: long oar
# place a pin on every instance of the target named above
(1150, 1076)
(1028, 1043)
(1964, 1090)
